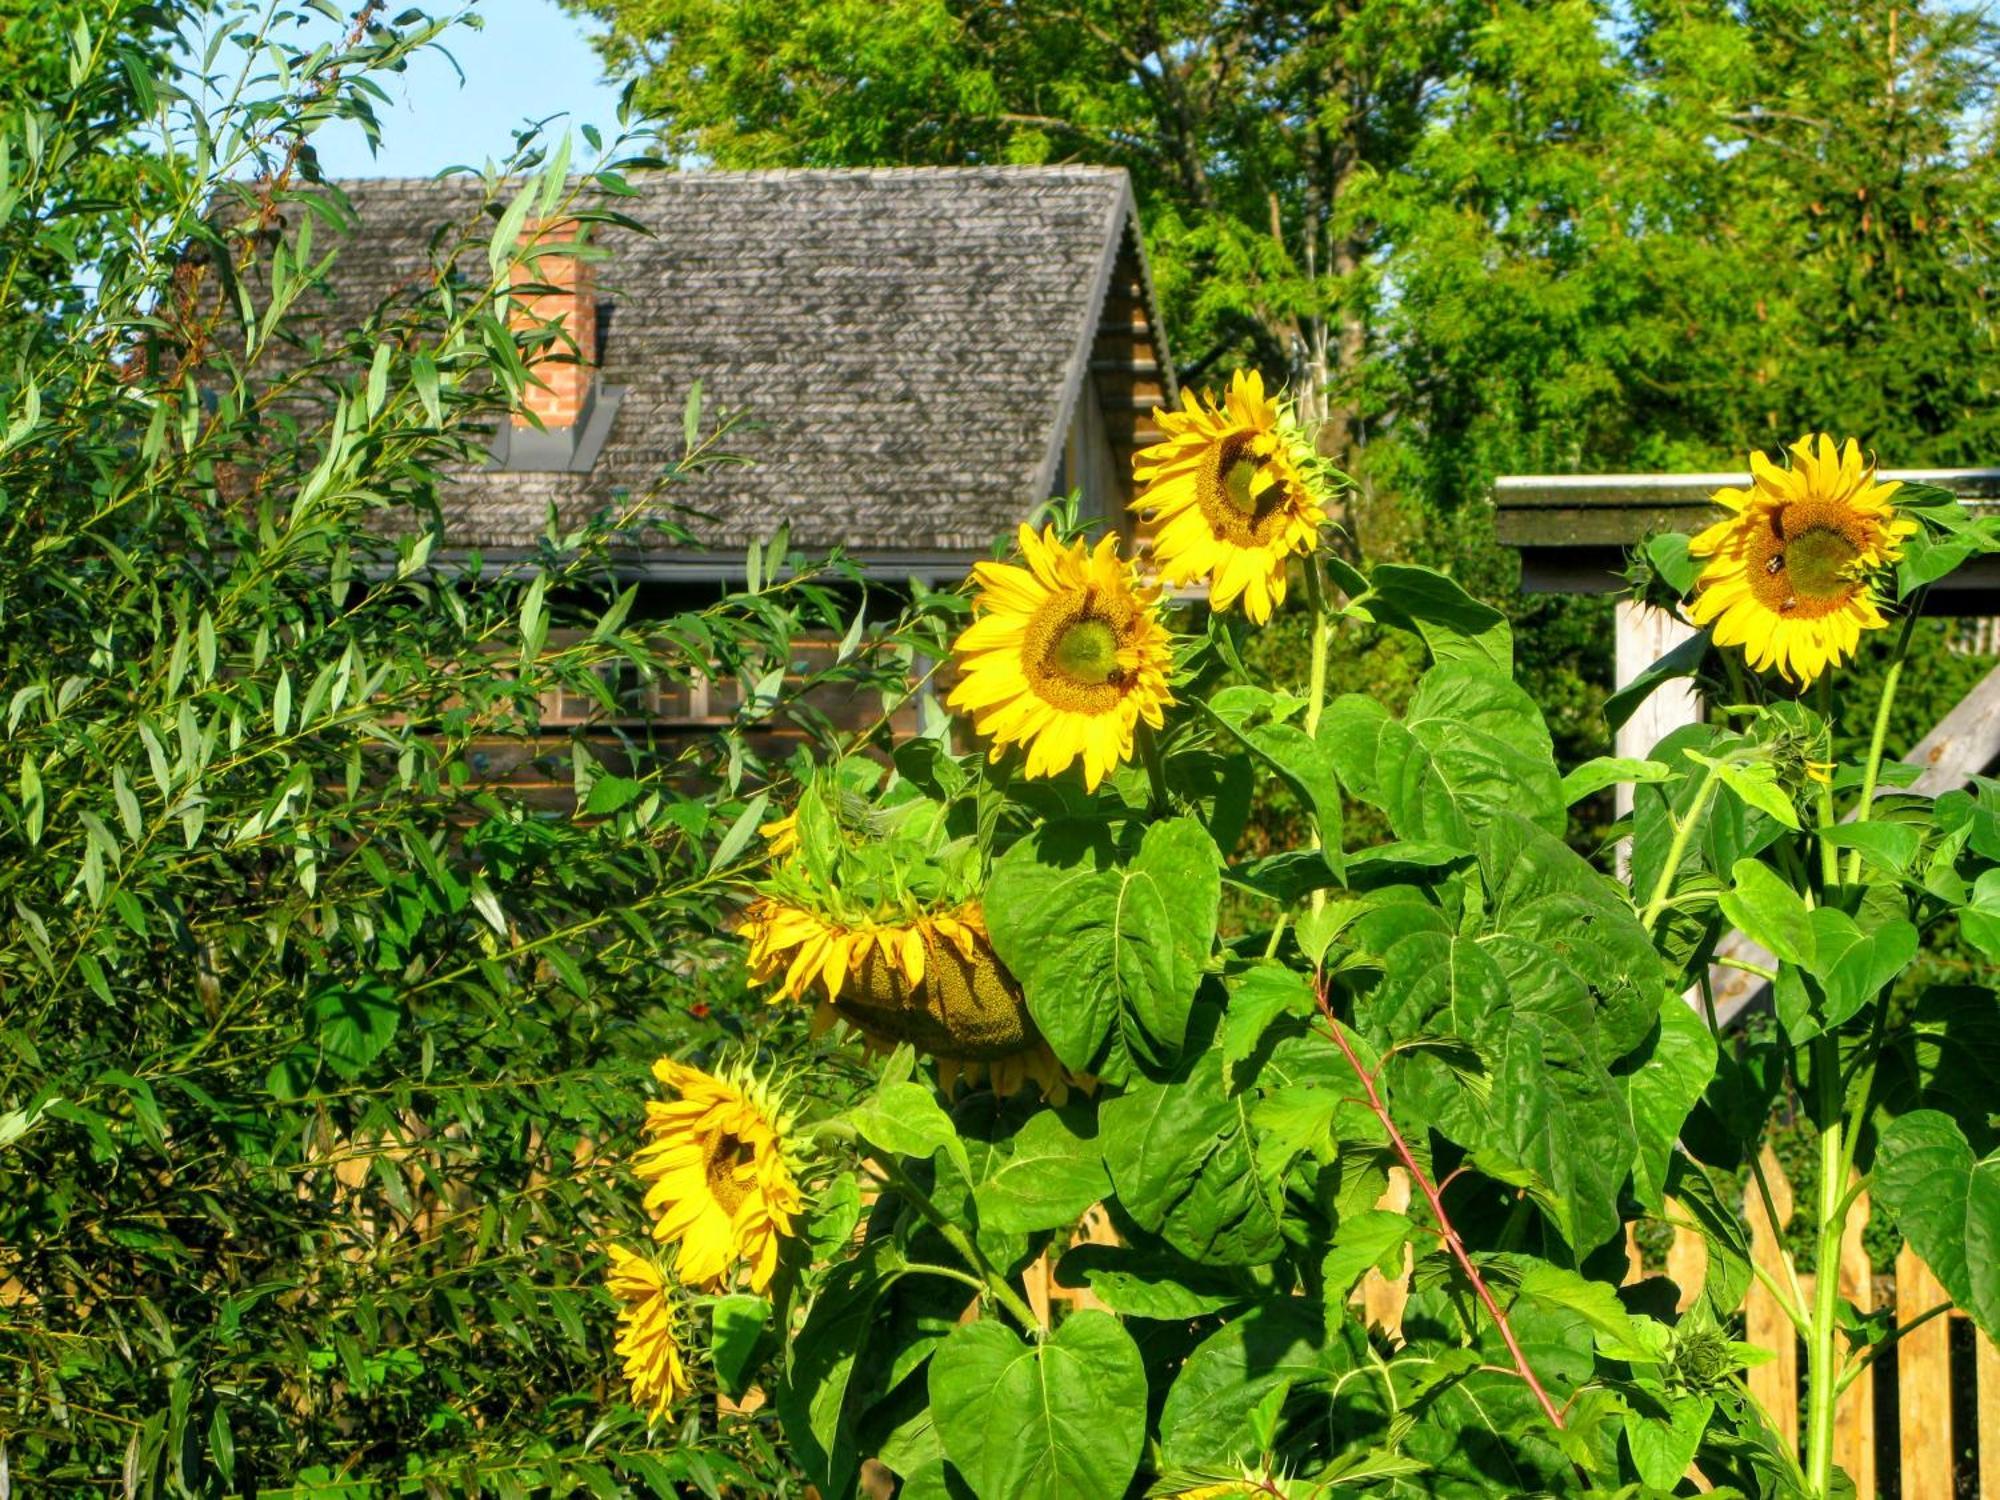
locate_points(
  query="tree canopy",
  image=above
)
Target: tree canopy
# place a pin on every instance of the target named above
(1476, 238)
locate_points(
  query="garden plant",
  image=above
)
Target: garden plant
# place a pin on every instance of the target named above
(1024, 928)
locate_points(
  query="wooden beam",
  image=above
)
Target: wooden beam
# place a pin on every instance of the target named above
(1965, 742)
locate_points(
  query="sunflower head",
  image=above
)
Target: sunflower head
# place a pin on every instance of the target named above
(721, 1183)
(648, 1333)
(875, 920)
(1233, 491)
(1789, 574)
(1066, 656)
(928, 978)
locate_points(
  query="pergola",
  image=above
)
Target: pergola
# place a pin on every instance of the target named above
(1574, 531)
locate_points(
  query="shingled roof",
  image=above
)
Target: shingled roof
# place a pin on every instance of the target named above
(906, 347)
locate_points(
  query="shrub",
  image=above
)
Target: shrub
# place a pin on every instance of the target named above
(316, 1042)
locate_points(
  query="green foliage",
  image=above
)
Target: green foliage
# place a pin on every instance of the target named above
(1465, 999)
(1476, 239)
(319, 1021)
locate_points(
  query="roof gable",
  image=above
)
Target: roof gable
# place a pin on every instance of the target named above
(903, 347)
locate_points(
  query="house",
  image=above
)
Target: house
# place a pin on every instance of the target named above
(918, 358)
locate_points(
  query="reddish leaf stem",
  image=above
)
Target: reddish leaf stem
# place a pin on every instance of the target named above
(1431, 1194)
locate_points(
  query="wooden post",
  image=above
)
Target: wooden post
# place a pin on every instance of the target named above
(1989, 1418)
(1643, 636)
(1775, 1384)
(1854, 1416)
(1923, 1379)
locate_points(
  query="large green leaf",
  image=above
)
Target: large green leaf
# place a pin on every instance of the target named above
(1182, 1159)
(1045, 1176)
(1205, 1424)
(1472, 744)
(354, 1022)
(1305, 766)
(812, 1398)
(1769, 911)
(1542, 892)
(1945, 1056)
(1109, 954)
(1852, 964)
(1664, 1087)
(1456, 626)
(1152, 1282)
(1947, 1203)
(1048, 1421)
(1500, 1051)
(905, 1118)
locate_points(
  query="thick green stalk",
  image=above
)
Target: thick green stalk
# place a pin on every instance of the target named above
(996, 1284)
(1872, 770)
(1677, 850)
(1322, 633)
(1156, 771)
(1822, 1348)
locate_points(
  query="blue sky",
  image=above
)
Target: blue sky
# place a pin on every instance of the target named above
(530, 60)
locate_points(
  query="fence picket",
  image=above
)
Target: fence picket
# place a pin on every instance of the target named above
(1923, 1378)
(1776, 1383)
(1989, 1419)
(1854, 1414)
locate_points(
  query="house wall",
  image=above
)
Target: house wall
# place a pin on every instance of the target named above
(1088, 463)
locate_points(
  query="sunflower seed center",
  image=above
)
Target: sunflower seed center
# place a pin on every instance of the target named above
(1087, 651)
(1819, 562)
(727, 1153)
(1236, 481)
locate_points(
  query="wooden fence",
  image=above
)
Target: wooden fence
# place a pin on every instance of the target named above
(1907, 1428)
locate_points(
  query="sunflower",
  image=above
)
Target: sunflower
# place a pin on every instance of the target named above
(719, 1180)
(1789, 571)
(1066, 656)
(647, 1328)
(932, 980)
(781, 835)
(1227, 488)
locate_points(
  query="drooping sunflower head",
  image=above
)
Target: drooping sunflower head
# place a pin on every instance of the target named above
(720, 1182)
(1066, 656)
(1790, 571)
(930, 979)
(648, 1333)
(1231, 489)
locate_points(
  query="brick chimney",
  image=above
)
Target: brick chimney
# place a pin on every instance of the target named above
(569, 302)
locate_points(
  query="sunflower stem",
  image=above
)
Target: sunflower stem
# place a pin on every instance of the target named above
(1872, 769)
(992, 1281)
(1829, 857)
(1322, 638)
(1822, 1352)
(1156, 771)
(1677, 850)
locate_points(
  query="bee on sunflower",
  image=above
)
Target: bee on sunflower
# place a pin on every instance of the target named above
(1066, 655)
(1790, 572)
(1235, 491)
(875, 920)
(721, 1181)
(648, 1333)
